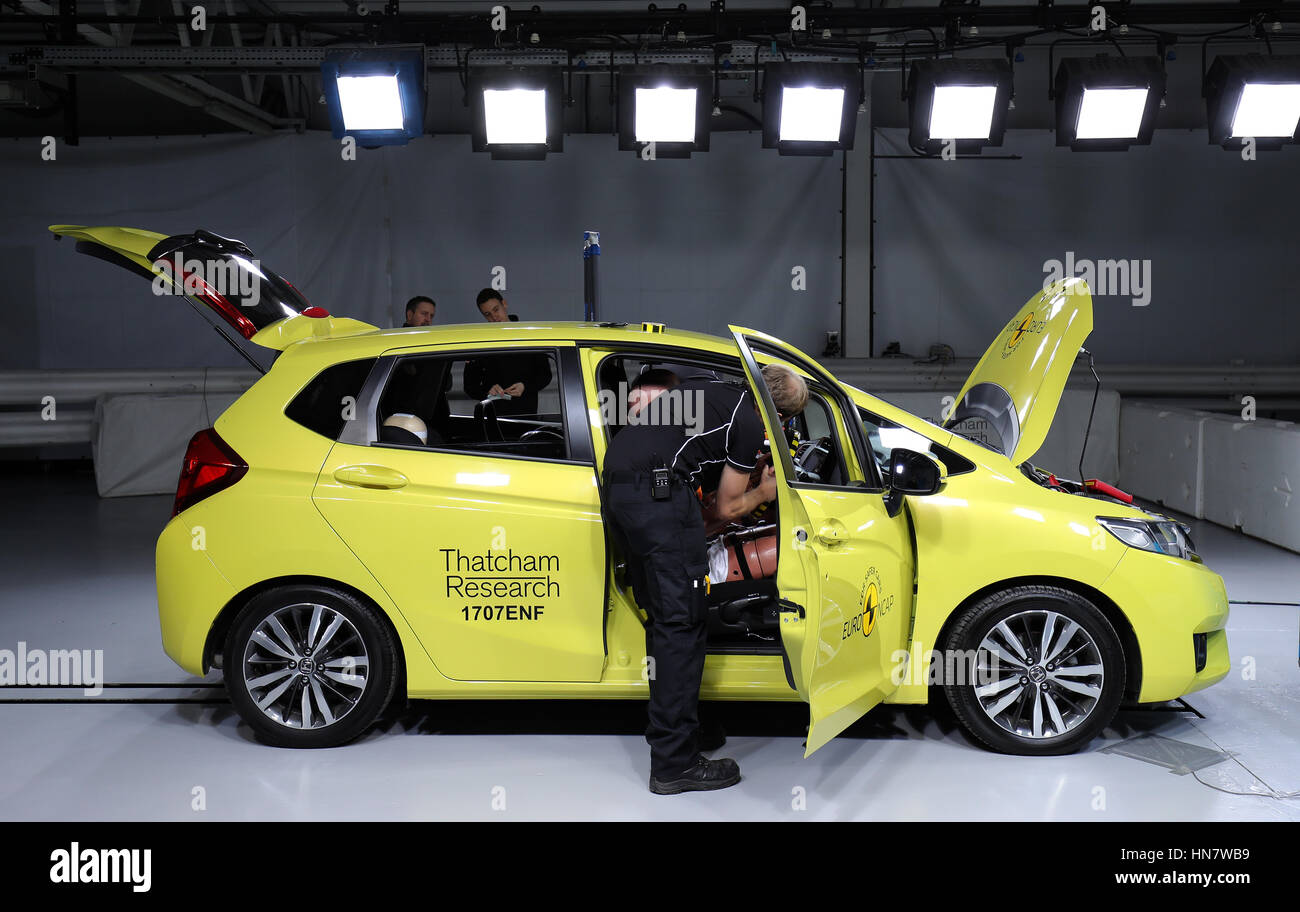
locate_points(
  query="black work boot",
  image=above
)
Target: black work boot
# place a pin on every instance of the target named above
(705, 775)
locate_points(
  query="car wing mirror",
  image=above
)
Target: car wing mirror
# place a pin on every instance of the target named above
(912, 474)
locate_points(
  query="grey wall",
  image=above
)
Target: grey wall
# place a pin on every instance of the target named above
(693, 243)
(961, 245)
(699, 243)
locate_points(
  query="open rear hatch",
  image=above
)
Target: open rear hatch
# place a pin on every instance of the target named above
(1016, 387)
(243, 300)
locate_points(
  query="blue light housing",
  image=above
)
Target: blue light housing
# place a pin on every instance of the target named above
(375, 95)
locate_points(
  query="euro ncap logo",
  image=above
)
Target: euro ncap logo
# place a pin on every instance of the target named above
(1019, 329)
(870, 602)
(864, 621)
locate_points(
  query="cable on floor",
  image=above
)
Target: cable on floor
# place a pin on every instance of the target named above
(1271, 793)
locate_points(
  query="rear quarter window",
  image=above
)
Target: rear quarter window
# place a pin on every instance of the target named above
(323, 404)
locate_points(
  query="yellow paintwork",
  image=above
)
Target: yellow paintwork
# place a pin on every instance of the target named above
(1031, 358)
(851, 567)
(290, 517)
(132, 243)
(283, 333)
(988, 527)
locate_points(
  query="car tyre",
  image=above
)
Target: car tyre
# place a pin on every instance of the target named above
(309, 666)
(1049, 671)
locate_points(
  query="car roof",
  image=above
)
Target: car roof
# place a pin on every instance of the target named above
(370, 344)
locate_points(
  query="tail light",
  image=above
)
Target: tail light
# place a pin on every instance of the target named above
(209, 466)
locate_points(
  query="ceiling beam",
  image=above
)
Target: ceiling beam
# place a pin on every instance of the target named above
(473, 25)
(186, 89)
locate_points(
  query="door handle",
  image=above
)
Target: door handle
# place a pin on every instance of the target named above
(832, 532)
(369, 476)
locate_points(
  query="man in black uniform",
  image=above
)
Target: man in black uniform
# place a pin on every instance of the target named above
(652, 470)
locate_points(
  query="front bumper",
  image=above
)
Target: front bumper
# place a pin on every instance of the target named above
(191, 593)
(1168, 600)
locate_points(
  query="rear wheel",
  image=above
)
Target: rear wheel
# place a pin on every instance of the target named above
(1047, 670)
(309, 666)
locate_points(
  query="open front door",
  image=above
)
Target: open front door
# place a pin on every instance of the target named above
(845, 568)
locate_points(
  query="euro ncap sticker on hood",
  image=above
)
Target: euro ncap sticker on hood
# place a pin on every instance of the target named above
(1017, 385)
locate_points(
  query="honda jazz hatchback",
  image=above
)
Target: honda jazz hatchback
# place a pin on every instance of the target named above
(365, 521)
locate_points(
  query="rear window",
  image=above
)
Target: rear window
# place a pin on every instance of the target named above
(329, 400)
(247, 295)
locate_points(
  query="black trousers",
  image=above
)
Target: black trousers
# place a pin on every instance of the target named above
(663, 542)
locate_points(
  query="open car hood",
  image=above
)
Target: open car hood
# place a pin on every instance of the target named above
(1017, 385)
(219, 276)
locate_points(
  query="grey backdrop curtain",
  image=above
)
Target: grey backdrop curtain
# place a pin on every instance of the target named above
(695, 244)
(961, 245)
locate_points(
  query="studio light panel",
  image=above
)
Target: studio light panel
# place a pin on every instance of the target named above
(1253, 97)
(963, 101)
(517, 113)
(375, 95)
(666, 115)
(1107, 103)
(810, 108)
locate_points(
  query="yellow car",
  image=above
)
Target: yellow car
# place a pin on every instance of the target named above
(369, 517)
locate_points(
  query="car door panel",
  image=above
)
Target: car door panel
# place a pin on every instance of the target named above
(496, 561)
(844, 561)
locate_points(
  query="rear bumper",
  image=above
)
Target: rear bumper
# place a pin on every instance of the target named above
(191, 594)
(1168, 601)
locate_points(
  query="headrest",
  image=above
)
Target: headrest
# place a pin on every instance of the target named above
(409, 423)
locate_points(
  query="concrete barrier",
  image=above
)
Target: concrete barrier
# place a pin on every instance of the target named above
(1160, 455)
(1240, 474)
(1251, 472)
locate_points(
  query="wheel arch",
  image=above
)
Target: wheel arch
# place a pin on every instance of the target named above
(1127, 637)
(221, 625)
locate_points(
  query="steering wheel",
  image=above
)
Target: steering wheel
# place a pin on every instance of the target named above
(550, 434)
(812, 458)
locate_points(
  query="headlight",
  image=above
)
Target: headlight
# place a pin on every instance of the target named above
(1162, 536)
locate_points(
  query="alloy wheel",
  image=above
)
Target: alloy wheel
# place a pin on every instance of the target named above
(305, 666)
(1040, 674)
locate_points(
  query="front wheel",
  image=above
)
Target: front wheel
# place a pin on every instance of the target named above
(309, 666)
(1046, 670)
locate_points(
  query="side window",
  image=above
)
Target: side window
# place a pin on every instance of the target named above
(818, 449)
(884, 435)
(502, 403)
(330, 399)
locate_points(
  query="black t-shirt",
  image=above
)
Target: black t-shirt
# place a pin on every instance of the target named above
(731, 433)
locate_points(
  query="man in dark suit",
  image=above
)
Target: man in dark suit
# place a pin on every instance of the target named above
(517, 376)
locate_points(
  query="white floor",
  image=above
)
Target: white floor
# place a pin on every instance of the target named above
(77, 573)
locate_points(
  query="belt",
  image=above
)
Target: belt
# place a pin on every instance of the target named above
(618, 476)
(636, 479)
